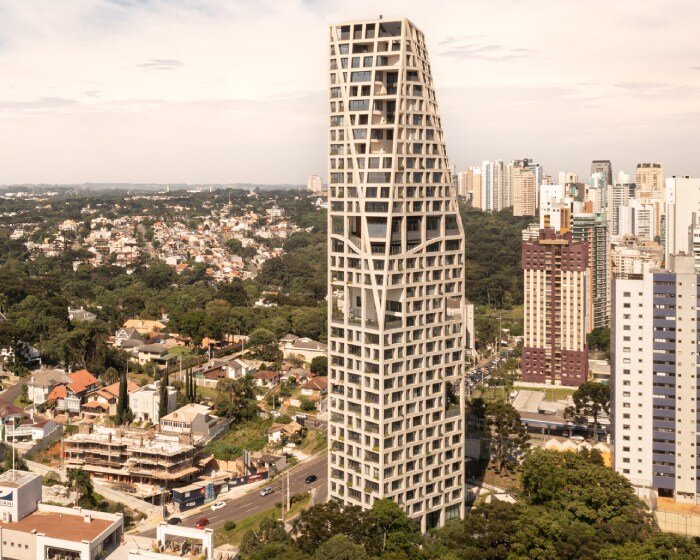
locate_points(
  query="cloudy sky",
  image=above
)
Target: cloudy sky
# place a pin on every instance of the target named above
(235, 90)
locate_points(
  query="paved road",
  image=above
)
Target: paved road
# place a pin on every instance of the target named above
(252, 503)
(13, 392)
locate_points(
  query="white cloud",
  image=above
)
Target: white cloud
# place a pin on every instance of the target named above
(234, 90)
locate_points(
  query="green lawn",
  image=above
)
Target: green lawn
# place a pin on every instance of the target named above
(499, 393)
(315, 442)
(234, 537)
(250, 435)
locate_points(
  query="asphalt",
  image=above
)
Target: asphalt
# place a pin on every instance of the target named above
(11, 393)
(252, 503)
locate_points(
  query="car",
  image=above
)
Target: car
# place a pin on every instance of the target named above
(174, 521)
(267, 490)
(577, 438)
(275, 414)
(218, 505)
(202, 523)
(311, 478)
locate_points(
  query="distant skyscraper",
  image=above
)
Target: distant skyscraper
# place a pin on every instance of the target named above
(593, 229)
(622, 193)
(605, 167)
(556, 310)
(524, 188)
(396, 306)
(649, 178)
(654, 406)
(472, 186)
(566, 177)
(314, 184)
(493, 186)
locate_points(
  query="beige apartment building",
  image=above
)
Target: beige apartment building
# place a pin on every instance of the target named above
(396, 280)
(524, 188)
(649, 178)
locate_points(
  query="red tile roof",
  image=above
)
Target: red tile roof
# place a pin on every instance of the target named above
(81, 380)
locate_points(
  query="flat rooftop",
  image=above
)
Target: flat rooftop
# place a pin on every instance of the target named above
(15, 479)
(70, 527)
(134, 442)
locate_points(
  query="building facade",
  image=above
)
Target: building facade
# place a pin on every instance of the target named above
(524, 188)
(655, 380)
(592, 228)
(682, 209)
(396, 280)
(649, 178)
(556, 309)
(605, 167)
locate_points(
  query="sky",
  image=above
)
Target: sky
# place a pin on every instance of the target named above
(225, 91)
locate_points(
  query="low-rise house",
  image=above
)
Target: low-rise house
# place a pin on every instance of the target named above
(69, 396)
(9, 414)
(145, 402)
(42, 381)
(267, 378)
(157, 353)
(128, 338)
(301, 347)
(81, 315)
(106, 399)
(280, 433)
(315, 387)
(192, 419)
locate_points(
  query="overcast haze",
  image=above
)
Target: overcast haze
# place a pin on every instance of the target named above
(235, 91)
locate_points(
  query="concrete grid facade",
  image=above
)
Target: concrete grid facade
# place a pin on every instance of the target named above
(396, 280)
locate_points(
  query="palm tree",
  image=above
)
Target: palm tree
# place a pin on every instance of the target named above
(80, 482)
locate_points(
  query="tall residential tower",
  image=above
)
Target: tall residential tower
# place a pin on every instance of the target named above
(396, 280)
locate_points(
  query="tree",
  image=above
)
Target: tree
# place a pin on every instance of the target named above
(319, 365)
(79, 481)
(599, 339)
(340, 547)
(390, 529)
(163, 396)
(592, 493)
(261, 337)
(123, 411)
(661, 546)
(320, 523)
(110, 376)
(508, 434)
(590, 400)
(270, 531)
(235, 399)
(234, 293)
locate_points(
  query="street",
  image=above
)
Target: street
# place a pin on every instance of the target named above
(252, 503)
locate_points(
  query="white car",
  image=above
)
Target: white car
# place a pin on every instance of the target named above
(218, 505)
(267, 490)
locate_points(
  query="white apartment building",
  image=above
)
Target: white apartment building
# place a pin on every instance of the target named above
(682, 204)
(396, 280)
(494, 187)
(635, 260)
(654, 351)
(314, 184)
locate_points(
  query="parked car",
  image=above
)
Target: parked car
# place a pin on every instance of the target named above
(267, 490)
(202, 523)
(174, 521)
(218, 505)
(311, 478)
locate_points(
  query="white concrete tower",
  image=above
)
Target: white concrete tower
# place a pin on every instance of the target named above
(396, 280)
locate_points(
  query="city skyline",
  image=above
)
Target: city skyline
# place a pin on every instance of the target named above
(191, 91)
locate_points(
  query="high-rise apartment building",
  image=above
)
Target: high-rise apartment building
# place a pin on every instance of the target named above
(592, 228)
(649, 178)
(621, 195)
(494, 195)
(631, 259)
(682, 210)
(605, 167)
(556, 309)
(524, 188)
(314, 184)
(469, 186)
(655, 380)
(396, 280)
